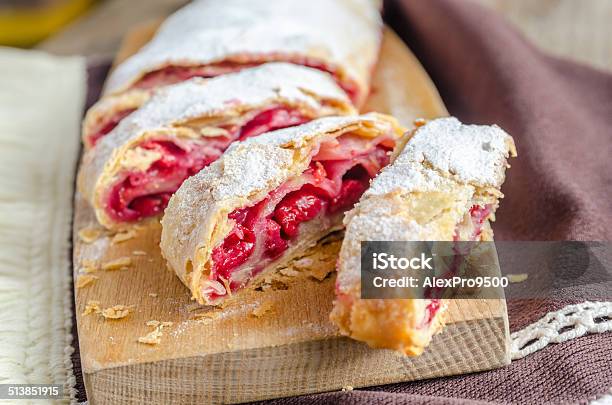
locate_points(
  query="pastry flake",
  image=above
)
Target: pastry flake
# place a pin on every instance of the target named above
(92, 307)
(117, 311)
(121, 263)
(270, 198)
(121, 237)
(443, 185)
(90, 234)
(84, 280)
(263, 309)
(154, 337)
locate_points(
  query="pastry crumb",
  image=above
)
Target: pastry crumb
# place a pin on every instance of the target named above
(154, 337)
(262, 309)
(347, 388)
(89, 270)
(153, 295)
(92, 307)
(116, 312)
(85, 280)
(121, 263)
(419, 122)
(518, 277)
(320, 272)
(90, 234)
(123, 236)
(289, 272)
(88, 263)
(139, 253)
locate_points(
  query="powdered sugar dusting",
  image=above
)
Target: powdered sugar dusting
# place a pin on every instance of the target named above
(474, 154)
(446, 150)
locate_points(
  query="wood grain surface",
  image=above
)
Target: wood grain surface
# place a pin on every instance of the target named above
(270, 344)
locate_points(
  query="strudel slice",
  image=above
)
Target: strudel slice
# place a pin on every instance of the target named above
(208, 38)
(444, 185)
(133, 171)
(269, 198)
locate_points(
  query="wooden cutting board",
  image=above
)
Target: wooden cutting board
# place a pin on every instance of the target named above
(276, 343)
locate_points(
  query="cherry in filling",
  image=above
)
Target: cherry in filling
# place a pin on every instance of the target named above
(478, 216)
(141, 194)
(108, 125)
(176, 74)
(264, 231)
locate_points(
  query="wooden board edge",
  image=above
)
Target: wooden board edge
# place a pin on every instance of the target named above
(267, 373)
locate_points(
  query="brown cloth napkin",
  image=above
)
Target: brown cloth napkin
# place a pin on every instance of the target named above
(559, 188)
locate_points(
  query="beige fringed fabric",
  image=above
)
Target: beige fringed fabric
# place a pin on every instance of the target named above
(41, 101)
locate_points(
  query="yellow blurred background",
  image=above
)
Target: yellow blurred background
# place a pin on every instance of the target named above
(24, 23)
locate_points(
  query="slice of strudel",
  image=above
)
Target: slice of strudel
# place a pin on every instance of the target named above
(443, 185)
(210, 38)
(269, 198)
(132, 172)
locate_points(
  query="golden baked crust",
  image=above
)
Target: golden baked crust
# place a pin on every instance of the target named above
(442, 170)
(196, 219)
(108, 107)
(194, 109)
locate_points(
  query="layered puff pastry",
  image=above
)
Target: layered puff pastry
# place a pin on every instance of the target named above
(209, 38)
(269, 198)
(132, 172)
(443, 185)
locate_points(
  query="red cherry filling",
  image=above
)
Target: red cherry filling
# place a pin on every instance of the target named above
(108, 125)
(270, 120)
(328, 187)
(275, 245)
(175, 74)
(235, 250)
(478, 216)
(297, 207)
(146, 193)
(431, 309)
(142, 194)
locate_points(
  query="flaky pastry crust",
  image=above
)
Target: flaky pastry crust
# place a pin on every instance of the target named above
(196, 219)
(439, 172)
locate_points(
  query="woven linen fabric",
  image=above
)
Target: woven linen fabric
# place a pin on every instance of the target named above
(41, 104)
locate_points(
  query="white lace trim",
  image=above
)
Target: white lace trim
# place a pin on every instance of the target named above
(556, 327)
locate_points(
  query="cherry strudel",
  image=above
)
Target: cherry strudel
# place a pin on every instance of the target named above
(269, 198)
(442, 186)
(133, 171)
(209, 38)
